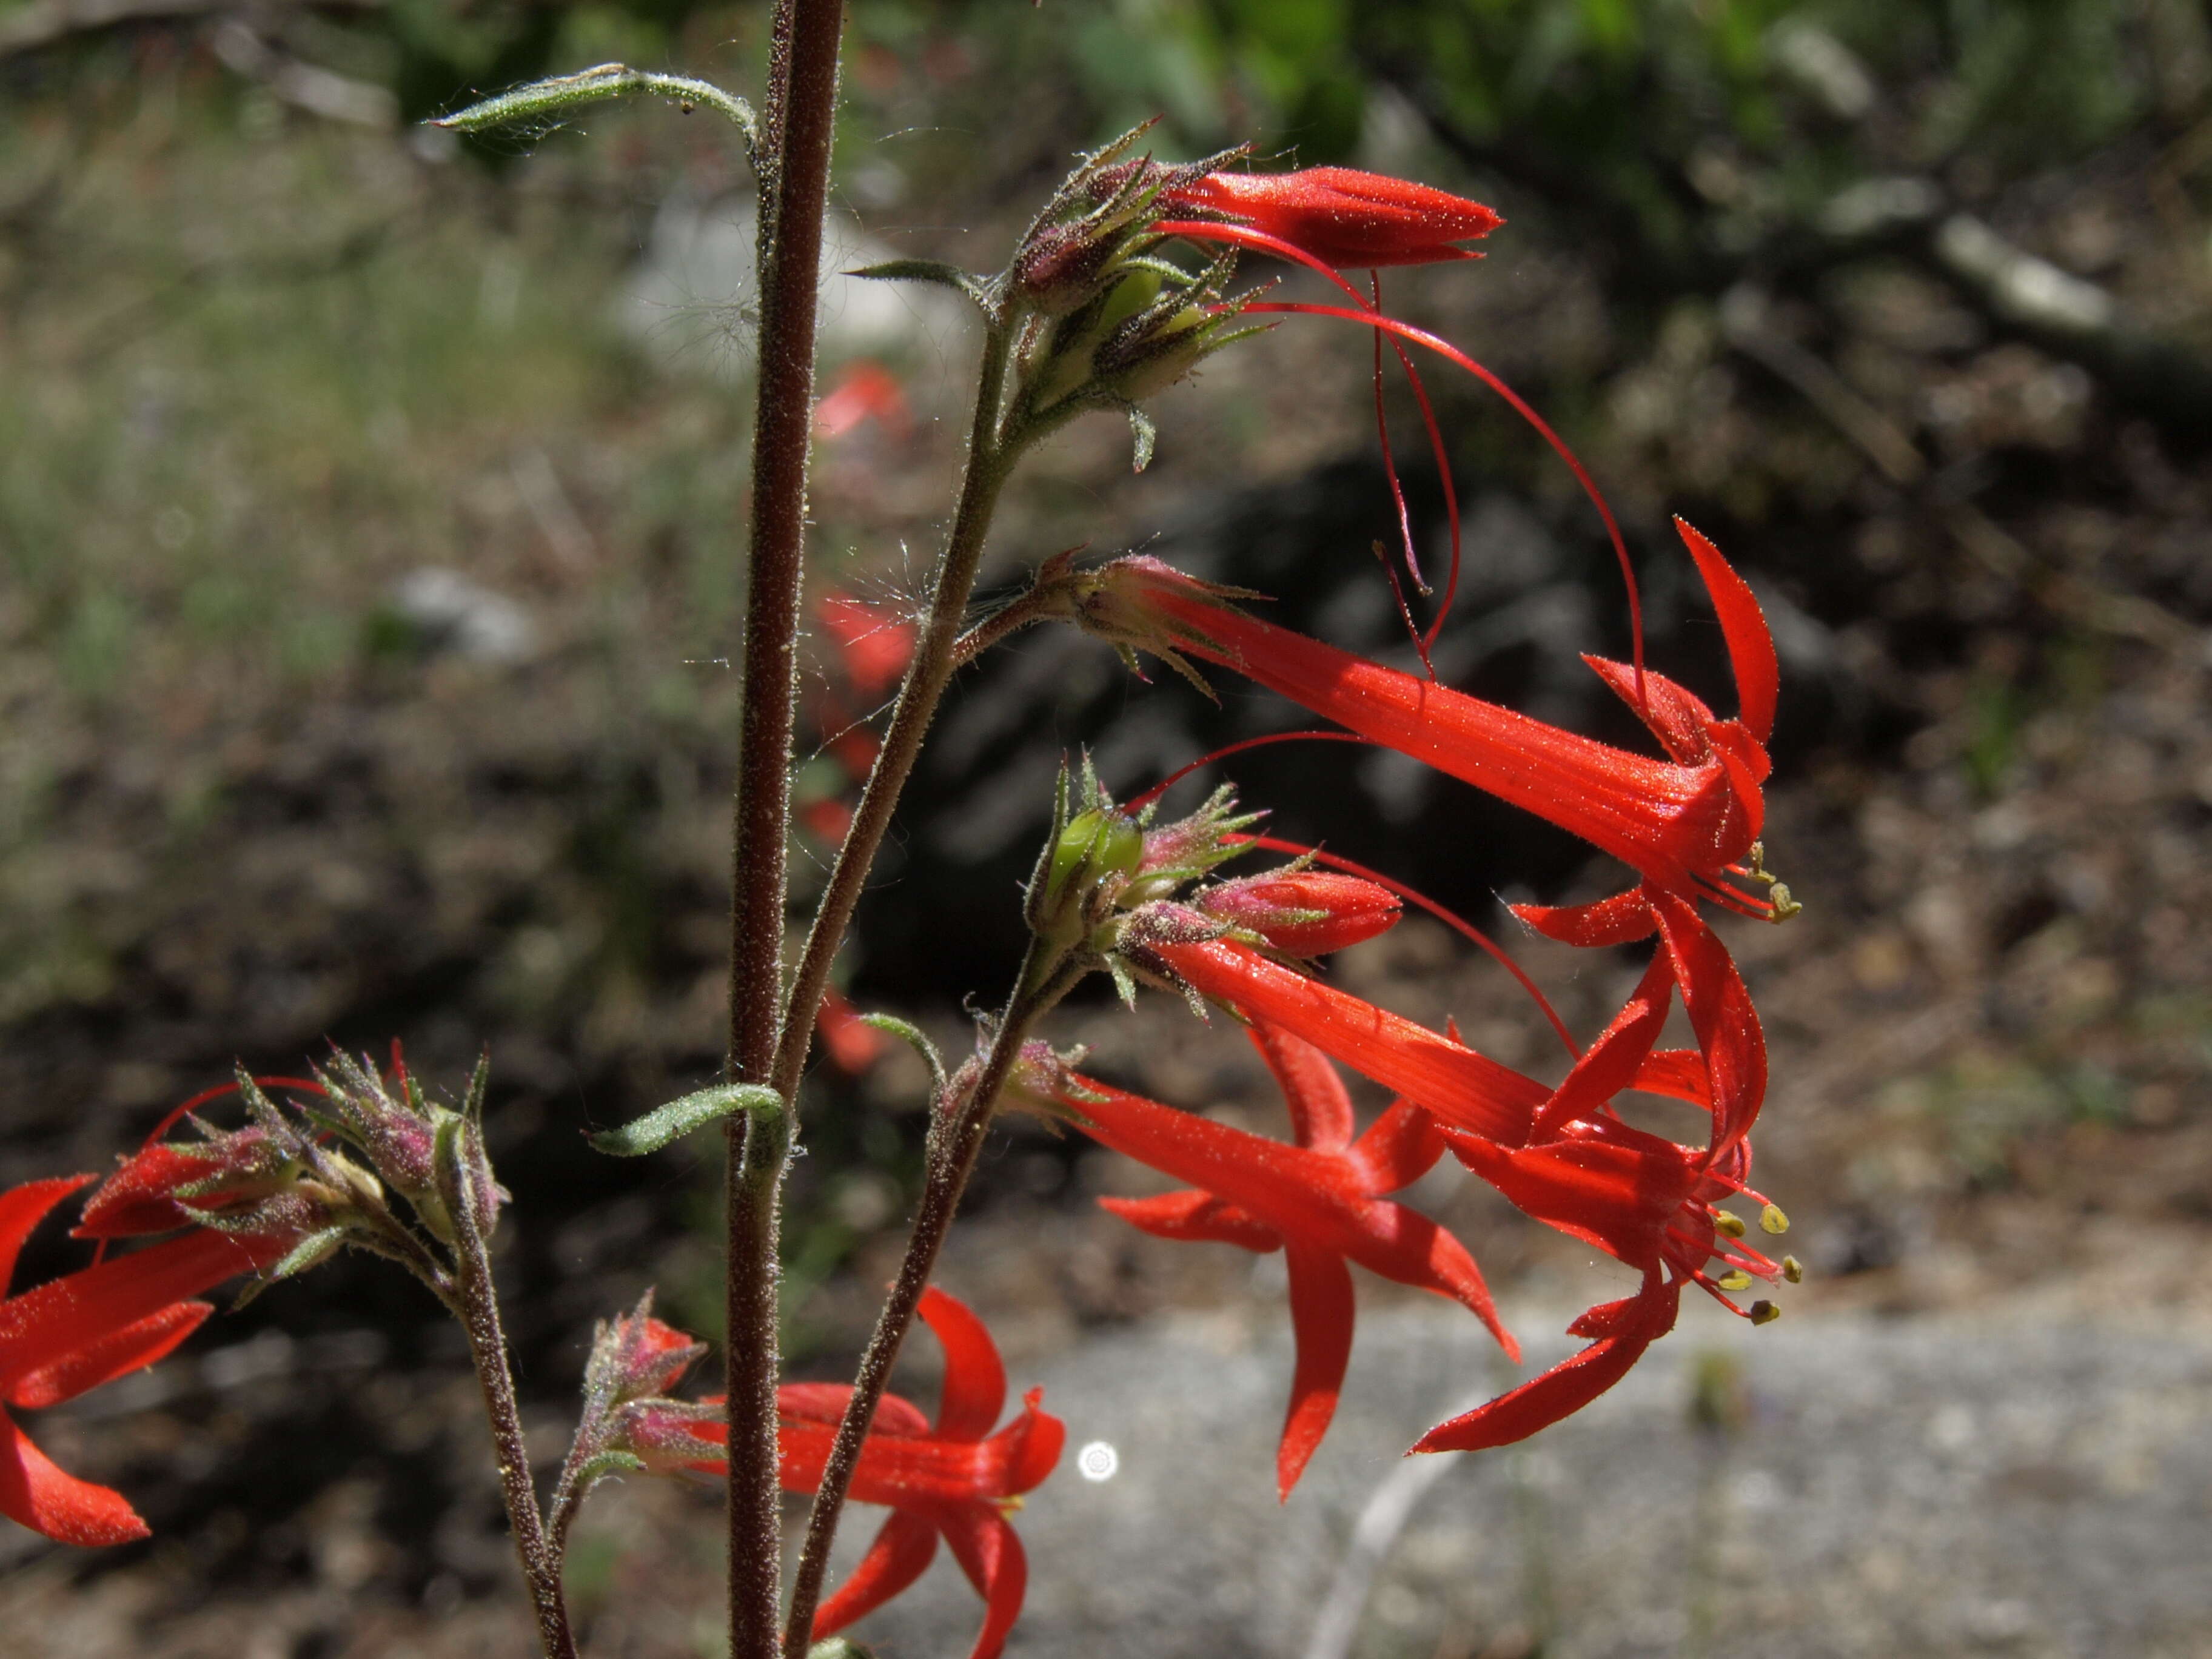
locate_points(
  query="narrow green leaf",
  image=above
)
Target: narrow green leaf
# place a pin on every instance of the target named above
(542, 99)
(928, 271)
(913, 1037)
(679, 1118)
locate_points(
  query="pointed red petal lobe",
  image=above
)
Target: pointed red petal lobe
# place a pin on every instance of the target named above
(991, 1555)
(1399, 1148)
(50, 1322)
(1719, 1004)
(21, 1209)
(974, 1378)
(1321, 1314)
(1033, 1442)
(1621, 919)
(823, 1403)
(1612, 1063)
(1679, 1073)
(1678, 717)
(1743, 625)
(1321, 1110)
(1566, 1388)
(1195, 1217)
(65, 1509)
(901, 1553)
(117, 1354)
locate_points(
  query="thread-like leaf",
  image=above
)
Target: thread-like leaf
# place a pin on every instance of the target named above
(928, 271)
(912, 1035)
(680, 1117)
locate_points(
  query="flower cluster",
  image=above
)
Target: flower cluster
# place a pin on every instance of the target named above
(957, 1480)
(1687, 826)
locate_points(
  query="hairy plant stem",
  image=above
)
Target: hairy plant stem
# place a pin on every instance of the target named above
(992, 453)
(957, 1128)
(793, 168)
(477, 1301)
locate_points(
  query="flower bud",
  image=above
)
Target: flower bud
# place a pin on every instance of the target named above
(171, 1185)
(636, 1356)
(1089, 861)
(1303, 913)
(1342, 216)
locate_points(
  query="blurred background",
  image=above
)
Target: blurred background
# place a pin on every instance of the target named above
(372, 512)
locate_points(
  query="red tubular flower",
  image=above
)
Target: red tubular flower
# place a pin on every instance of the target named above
(1683, 824)
(1464, 1089)
(1320, 1202)
(1646, 1201)
(1303, 913)
(73, 1333)
(1343, 217)
(959, 1480)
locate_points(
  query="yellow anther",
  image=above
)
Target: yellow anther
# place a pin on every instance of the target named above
(1781, 907)
(1764, 1313)
(1735, 1281)
(1793, 1270)
(1772, 1220)
(1731, 1224)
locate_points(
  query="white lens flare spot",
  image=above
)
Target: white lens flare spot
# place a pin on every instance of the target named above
(1097, 1461)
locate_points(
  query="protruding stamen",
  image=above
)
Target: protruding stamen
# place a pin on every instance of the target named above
(1793, 1270)
(1764, 1313)
(1731, 1224)
(1772, 1220)
(1738, 1281)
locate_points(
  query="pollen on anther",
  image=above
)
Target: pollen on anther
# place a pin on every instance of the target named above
(1793, 1270)
(1764, 1313)
(1735, 1281)
(1731, 1224)
(1772, 1220)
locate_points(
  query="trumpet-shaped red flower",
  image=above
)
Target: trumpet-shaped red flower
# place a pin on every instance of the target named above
(1725, 1075)
(73, 1333)
(1684, 823)
(1343, 217)
(1320, 1202)
(1646, 1201)
(1462, 1088)
(957, 1480)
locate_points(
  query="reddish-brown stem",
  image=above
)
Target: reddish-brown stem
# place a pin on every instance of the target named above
(793, 164)
(474, 1300)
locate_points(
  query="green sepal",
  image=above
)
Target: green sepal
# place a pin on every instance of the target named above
(680, 1117)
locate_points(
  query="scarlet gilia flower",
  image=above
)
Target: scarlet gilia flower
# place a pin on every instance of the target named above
(1464, 1089)
(959, 1480)
(1343, 217)
(72, 1333)
(1302, 913)
(1645, 1201)
(1321, 1202)
(1685, 825)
